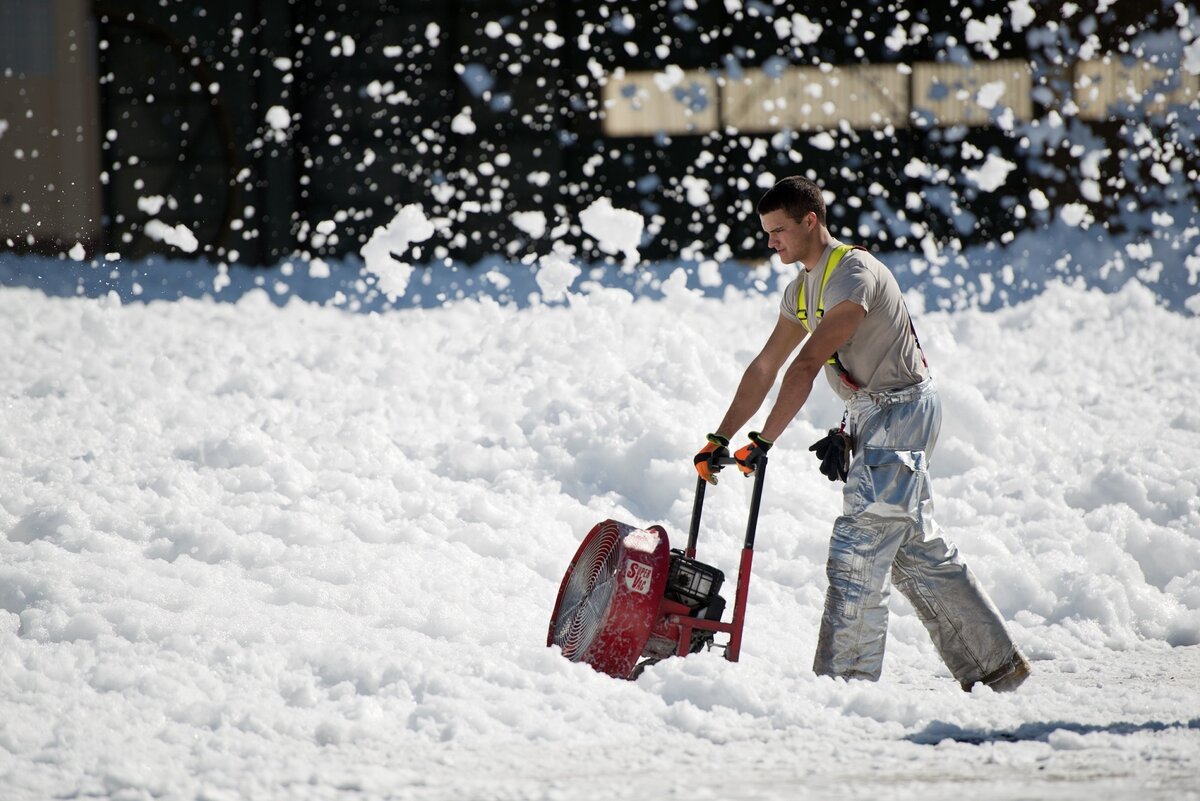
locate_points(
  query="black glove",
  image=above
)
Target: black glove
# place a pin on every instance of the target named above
(749, 457)
(834, 452)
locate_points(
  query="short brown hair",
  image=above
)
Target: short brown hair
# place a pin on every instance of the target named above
(795, 195)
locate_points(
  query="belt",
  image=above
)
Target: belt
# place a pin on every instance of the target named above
(891, 397)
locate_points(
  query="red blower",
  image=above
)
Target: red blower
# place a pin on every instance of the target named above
(628, 600)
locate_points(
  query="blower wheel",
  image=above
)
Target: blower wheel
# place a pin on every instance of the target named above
(609, 597)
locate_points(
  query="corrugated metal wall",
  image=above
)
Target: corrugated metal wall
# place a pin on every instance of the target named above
(369, 91)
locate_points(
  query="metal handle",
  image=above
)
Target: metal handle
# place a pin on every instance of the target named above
(755, 501)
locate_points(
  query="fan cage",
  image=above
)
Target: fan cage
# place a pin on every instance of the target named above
(588, 593)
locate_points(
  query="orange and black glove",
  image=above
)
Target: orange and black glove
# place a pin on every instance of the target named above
(749, 457)
(707, 464)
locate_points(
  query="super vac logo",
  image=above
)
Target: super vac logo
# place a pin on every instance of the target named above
(637, 577)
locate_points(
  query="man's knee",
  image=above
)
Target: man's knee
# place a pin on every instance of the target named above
(859, 560)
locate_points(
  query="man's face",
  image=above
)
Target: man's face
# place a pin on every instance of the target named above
(788, 237)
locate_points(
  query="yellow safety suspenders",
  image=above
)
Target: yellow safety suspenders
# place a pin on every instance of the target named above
(835, 258)
(831, 264)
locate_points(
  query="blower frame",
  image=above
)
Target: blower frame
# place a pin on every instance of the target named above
(626, 596)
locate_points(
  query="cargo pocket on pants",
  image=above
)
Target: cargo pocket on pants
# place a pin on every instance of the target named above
(847, 574)
(893, 483)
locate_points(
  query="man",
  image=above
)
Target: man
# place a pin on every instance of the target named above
(849, 306)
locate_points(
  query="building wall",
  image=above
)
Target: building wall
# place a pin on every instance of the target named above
(267, 128)
(50, 193)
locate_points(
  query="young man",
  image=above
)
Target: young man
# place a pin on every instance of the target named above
(849, 306)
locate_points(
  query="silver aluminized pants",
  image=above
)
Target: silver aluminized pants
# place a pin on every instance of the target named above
(887, 531)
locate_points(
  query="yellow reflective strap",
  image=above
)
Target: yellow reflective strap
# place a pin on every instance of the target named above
(835, 258)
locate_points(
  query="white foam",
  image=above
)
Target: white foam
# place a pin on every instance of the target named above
(388, 246)
(178, 235)
(617, 231)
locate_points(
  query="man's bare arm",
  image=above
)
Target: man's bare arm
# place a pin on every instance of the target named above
(760, 375)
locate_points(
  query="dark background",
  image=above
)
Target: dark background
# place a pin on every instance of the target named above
(185, 88)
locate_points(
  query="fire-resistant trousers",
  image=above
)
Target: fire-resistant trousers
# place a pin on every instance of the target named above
(886, 535)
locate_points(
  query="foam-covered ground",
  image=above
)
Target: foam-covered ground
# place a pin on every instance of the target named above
(287, 553)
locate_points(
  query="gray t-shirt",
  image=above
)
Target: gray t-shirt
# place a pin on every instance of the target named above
(883, 353)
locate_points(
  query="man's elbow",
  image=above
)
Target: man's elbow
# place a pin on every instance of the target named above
(764, 369)
(806, 366)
